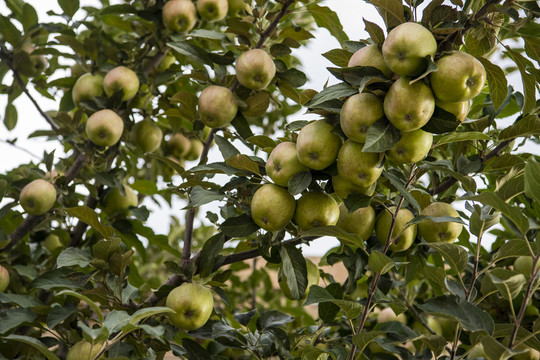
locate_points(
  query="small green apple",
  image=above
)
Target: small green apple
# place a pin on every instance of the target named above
(439, 231)
(179, 15)
(317, 146)
(121, 78)
(179, 145)
(31, 65)
(359, 168)
(459, 109)
(272, 207)
(84, 350)
(358, 113)
(524, 265)
(235, 6)
(115, 202)
(212, 10)
(315, 209)
(283, 163)
(313, 277)
(4, 279)
(217, 106)
(193, 304)
(343, 188)
(382, 228)
(255, 69)
(146, 135)
(387, 314)
(87, 86)
(195, 150)
(370, 56)
(38, 197)
(52, 243)
(411, 148)
(360, 222)
(104, 128)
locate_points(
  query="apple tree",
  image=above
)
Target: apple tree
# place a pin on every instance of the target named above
(422, 150)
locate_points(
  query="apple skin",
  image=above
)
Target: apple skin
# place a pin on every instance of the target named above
(33, 66)
(358, 113)
(52, 243)
(314, 209)
(411, 148)
(439, 232)
(361, 222)
(38, 197)
(84, 350)
(217, 106)
(121, 78)
(104, 128)
(115, 202)
(459, 109)
(524, 265)
(272, 207)
(387, 314)
(343, 188)
(313, 278)
(406, 47)
(179, 145)
(255, 69)
(146, 135)
(193, 304)
(179, 15)
(87, 86)
(317, 147)
(370, 56)
(283, 163)
(4, 279)
(359, 168)
(212, 10)
(459, 77)
(382, 228)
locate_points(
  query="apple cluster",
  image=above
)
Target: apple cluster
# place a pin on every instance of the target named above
(181, 15)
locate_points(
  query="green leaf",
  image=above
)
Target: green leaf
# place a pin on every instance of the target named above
(512, 248)
(195, 351)
(354, 202)
(529, 81)
(225, 147)
(441, 122)
(74, 257)
(208, 34)
(193, 52)
(400, 185)
(438, 219)
(374, 31)
(69, 7)
(264, 142)
(294, 269)
(317, 295)
(328, 19)
(468, 182)
(380, 263)
(145, 187)
(299, 182)
(509, 283)
(24, 301)
(435, 342)
(351, 309)
(10, 116)
(330, 93)
(86, 299)
(200, 196)
(381, 136)
(273, 318)
(59, 313)
(29, 17)
(391, 11)
(462, 136)
(338, 57)
(115, 320)
(89, 216)
(336, 232)
(498, 85)
(532, 180)
(57, 278)
(14, 318)
(147, 312)
(454, 254)
(210, 253)
(35, 343)
(172, 164)
(9, 31)
(524, 127)
(363, 339)
(431, 67)
(313, 353)
(495, 350)
(257, 105)
(243, 162)
(239, 226)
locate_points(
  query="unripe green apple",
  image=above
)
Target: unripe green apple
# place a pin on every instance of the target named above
(358, 113)
(406, 47)
(121, 78)
(84, 350)
(387, 314)
(87, 86)
(179, 145)
(217, 106)
(52, 243)
(313, 277)
(167, 61)
(272, 207)
(193, 304)
(360, 222)
(255, 69)
(459, 109)
(179, 15)
(195, 150)
(283, 163)
(439, 231)
(409, 107)
(359, 168)
(370, 56)
(212, 10)
(38, 197)
(235, 6)
(104, 128)
(115, 202)
(4, 279)
(314, 209)
(317, 146)
(524, 265)
(459, 77)
(411, 148)
(146, 135)
(32, 65)
(343, 188)
(382, 228)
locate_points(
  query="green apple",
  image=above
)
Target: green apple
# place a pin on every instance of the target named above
(4, 279)
(77, 70)
(121, 78)
(115, 202)
(179, 15)
(387, 314)
(439, 231)
(360, 222)
(314, 209)
(459, 77)
(146, 135)
(343, 188)
(52, 243)
(195, 149)
(272, 207)
(459, 109)
(358, 113)
(530, 354)
(359, 168)
(193, 304)
(255, 69)
(167, 61)
(38, 197)
(370, 56)
(283, 163)
(179, 145)
(524, 265)
(212, 10)
(217, 106)
(406, 48)
(30, 65)
(235, 6)
(104, 128)
(411, 148)
(84, 350)
(382, 228)
(317, 146)
(403, 113)
(313, 277)
(87, 86)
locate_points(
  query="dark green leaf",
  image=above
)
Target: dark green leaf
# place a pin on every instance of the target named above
(508, 283)
(14, 318)
(243, 162)
(363, 339)
(354, 202)
(332, 92)
(262, 141)
(225, 147)
(74, 257)
(273, 318)
(512, 248)
(380, 263)
(24, 301)
(374, 31)
(400, 185)
(381, 136)
(441, 122)
(532, 180)
(89, 216)
(299, 182)
(29, 17)
(200, 196)
(462, 136)
(69, 7)
(454, 254)
(525, 127)
(245, 318)
(195, 351)
(295, 270)
(58, 313)
(210, 253)
(57, 279)
(10, 117)
(391, 11)
(338, 57)
(239, 226)
(145, 187)
(529, 81)
(208, 34)
(35, 343)
(317, 295)
(328, 19)
(191, 51)
(497, 82)
(334, 231)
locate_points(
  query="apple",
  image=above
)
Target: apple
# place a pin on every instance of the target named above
(382, 228)
(317, 146)
(408, 107)
(38, 197)
(115, 202)
(87, 86)
(52, 243)
(212, 10)
(439, 231)
(524, 265)
(179, 145)
(84, 350)
(459, 109)
(4, 279)
(283, 163)
(104, 128)
(370, 56)
(52, 175)
(30, 65)
(195, 150)
(387, 314)
(168, 60)
(179, 15)
(255, 69)
(313, 277)
(411, 148)
(406, 48)
(358, 113)
(217, 106)
(193, 304)
(121, 78)
(235, 6)
(315, 209)
(272, 207)
(343, 188)
(357, 167)
(459, 77)
(146, 135)
(360, 222)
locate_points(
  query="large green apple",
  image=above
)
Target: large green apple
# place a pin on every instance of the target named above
(52, 243)
(179, 145)
(87, 86)
(406, 48)
(193, 304)
(84, 350)
(358, 113)
(411, 148)
(38, 197)
(4, 279)
(217, 106)
(313, 277)
(439, 231)
(283, 163)
(524, 265)
(459, 109)
(359, 168)
(179, 15)
(315, 209)
(212, 10)
(387, 314)
(115, 202)
(459, 77)
(317, 146)
(360, 222)
(409, 107)
(382, 228)
(272, 207)
(255, 69)
(121, 78)
(370, 56)
(343, 188)
(104, 128)
(146, 135)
